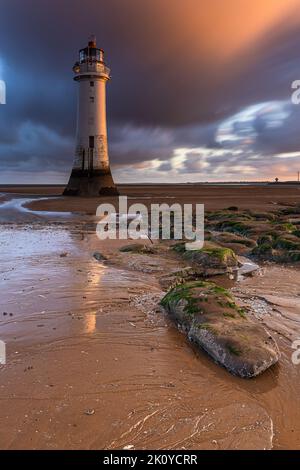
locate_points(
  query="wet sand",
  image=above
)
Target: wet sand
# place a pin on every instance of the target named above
(251, 196)
(93, 363)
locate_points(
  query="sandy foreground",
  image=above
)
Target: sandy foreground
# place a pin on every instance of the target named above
(94, 363)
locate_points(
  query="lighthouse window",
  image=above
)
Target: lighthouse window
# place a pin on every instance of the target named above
(91, 141)
(92, 99)
(82, 55)
(91, 83)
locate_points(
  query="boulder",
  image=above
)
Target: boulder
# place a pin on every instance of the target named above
(212, 260)
(217, 324)
(227, 237)
(262, 215)
(239, 244)
(137, 248)
(99, 256)
(278, 247)
(172, 279)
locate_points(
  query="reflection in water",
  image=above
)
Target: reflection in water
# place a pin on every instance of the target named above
(90, 322)
(96, 273)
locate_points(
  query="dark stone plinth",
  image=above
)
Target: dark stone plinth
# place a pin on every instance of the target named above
(95, 183)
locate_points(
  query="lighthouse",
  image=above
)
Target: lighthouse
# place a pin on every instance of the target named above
(91, 175)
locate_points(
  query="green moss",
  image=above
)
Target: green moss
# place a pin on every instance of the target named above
(240, 241)
(288, 227)
(234, 227)
(297, 233)
(228, 314)
(290, 211)
(229, 215)
(137, 249)
(193, 301)
(233, 350)
(242, 312)
(179, 247)
(223, 254)
(207, 327)
(184, 292)
(263, 215)
(215, 289)
(274, 234)
(265, 239)
(284, 244)
(262, 250)
(293, 256)
(233, 306)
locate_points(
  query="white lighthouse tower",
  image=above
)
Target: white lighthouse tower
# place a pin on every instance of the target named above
(91, 175)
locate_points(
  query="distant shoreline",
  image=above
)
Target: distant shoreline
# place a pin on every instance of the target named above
(213, 183)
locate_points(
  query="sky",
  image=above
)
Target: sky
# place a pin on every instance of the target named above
(200, 89)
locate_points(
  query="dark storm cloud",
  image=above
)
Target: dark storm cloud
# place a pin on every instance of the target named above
(179, 71)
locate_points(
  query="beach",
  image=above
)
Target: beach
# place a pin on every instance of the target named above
(94, 362)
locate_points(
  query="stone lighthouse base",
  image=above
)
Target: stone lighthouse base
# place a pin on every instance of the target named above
(86, 183)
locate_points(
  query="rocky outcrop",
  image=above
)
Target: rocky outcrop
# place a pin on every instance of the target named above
(239, 244)
(171, 280)
(99, 256)
(275, 236)
(212, 260)
(279, 247)
(137, 248)
(215, 323)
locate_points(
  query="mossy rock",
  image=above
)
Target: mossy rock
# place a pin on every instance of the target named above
(137, 248)
(286, 227)
(293, 256)
(264, 251)
(99, 256)
(227, 237)
(272, 235)
(179, 247)
(290, 211)
(239, 244)
(229, 214)
(279, 249)
(263, 215)
(173, 279)
(296, 233)
(265, 240)
(234, 226)
(208, 235)
(211, 260)
(217, 324)
(286, 244)
(192, 296)
(260, 228)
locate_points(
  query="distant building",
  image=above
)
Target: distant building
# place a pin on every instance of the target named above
(91, 175)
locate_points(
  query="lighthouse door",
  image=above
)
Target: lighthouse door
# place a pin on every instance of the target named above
(91, 152)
